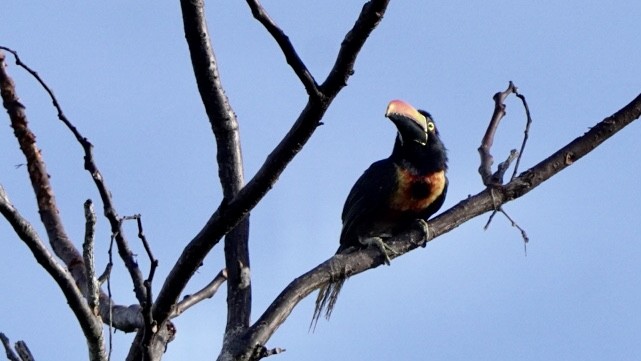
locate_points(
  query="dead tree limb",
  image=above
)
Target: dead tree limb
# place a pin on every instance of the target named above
(229, 158)
(360, 261)
(206, 292)
(232, 211)
(49, 214)
(124, 318)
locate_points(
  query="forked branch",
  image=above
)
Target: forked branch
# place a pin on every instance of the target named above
(485, 169)
(59, 241)
(232, 211)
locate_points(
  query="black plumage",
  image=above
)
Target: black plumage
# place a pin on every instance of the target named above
(392, 193)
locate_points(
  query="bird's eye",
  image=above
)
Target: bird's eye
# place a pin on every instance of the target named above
(430, 126)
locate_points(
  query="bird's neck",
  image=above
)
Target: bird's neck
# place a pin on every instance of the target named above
(427, 158)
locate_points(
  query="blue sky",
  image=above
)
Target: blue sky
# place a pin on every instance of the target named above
(121, 71)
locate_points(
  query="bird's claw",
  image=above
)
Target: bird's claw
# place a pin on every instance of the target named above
(380, 244)
(425, 228)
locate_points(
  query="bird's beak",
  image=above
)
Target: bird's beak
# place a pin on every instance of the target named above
(411, 124)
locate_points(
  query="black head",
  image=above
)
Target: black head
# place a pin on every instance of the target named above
(418, 139)
(412, 125)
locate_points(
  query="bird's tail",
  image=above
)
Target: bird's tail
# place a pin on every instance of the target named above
(326, 299)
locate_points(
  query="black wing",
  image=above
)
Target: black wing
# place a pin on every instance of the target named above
(368, 198)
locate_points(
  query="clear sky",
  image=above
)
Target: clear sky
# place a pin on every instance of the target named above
(122, 73)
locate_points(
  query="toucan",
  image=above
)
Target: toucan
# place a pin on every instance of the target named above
(393, 193)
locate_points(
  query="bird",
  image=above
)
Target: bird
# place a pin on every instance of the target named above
(406, 188)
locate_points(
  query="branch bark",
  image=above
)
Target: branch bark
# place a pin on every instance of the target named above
(206, 292)
(90, 325)
(229, 157)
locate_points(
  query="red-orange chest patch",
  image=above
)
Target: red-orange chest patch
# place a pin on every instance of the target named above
(416, 192)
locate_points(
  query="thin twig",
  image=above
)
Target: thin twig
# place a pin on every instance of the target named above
(206, 292)
(104, 276)
(514, 224)
(489, 219)
(526, 132)
(496, 179)
(504, 166)
(151, 326)
(292, 57)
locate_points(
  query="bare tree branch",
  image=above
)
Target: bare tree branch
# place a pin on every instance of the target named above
(526, 239)
(485, 169)
(287, 48)
(371, 14)
(151, 326)
(93, 288)
(11, 356)
(526, 132)
(23, 351)
(109, 210)
(123, 318)
(60, 243)
(49, 214)
(496, 179)
(360, 261)
(230, 212)
(90, 325)
(229, 156)
(207, 292)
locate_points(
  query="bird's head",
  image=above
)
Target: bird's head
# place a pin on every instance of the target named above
(413, 125)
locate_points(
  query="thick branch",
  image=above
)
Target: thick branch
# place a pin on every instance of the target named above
(227, 216)
(229, 156)
(357, 262)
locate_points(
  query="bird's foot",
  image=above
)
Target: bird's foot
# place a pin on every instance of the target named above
(427, 234)
(380, 244)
